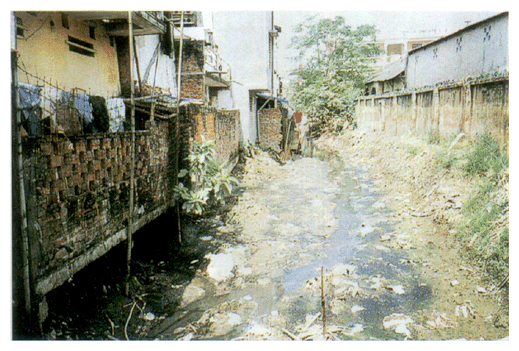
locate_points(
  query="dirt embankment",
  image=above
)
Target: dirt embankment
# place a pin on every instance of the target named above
(428, 199)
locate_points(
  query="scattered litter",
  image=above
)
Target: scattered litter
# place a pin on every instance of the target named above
(397, 289)
(399, 322)
(255, 331)
(356, 308)
(149, 316)
(378, 282)
(454, 282)
(187, 337)
(220, 266)
(440, 321)
(226, 229)
(244, 270)
(352, 329)
(382, 248)
(191, 294)
(466, 309)
(351, 288)
(264, 281)
(385, 237)
(379, 205)
(343, 269)
(481, 290)
(206, 238)
(366, 229)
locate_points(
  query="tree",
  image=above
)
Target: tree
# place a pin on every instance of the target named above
(334, 65)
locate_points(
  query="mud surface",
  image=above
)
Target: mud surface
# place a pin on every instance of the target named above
(343, 227)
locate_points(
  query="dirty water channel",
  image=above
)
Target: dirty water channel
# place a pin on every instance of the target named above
(315, 214)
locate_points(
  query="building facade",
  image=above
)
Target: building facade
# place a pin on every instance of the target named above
(477, 50)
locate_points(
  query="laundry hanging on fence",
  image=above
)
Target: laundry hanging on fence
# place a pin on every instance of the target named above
(100, 122)
(116, 114)
(29, 104)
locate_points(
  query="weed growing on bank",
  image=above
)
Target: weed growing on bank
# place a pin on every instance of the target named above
(484, 227)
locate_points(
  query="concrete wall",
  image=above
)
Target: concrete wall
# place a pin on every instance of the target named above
(474, 107)
(160, 74)
(45, 52)
(477, 50)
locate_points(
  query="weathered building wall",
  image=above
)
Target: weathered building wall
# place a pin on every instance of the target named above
(270, 125)
(477, 50)
(79, 193)
(474, 107)
(45, 51)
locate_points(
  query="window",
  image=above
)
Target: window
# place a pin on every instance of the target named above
(486, 32)
(20, 29)
(92, 32)
(65, 21)
(80, 46)
(395, 49)
(458, 44)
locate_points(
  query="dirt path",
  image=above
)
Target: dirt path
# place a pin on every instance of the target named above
(390, 268)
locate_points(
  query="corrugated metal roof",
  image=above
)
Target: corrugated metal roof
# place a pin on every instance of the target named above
(265, 96)
(389, 72)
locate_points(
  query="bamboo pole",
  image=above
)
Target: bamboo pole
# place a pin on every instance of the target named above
(141, 89)
(132, 170)
(177, 127)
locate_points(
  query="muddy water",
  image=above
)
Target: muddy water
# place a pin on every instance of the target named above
(286, 268)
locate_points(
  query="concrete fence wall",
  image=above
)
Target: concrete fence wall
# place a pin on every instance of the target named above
(474, 107)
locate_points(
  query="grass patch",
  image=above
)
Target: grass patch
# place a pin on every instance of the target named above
(486, 156)
(486, 208)
(412, 149)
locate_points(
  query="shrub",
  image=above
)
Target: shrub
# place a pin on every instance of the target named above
(209, 180)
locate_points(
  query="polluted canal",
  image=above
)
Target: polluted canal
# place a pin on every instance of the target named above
(308, 251)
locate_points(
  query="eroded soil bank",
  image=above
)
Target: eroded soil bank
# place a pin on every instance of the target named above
(363, 227)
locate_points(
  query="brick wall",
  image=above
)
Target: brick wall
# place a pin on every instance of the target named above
(79, 191)
(222, 126)
(271, 128)
(192, 78)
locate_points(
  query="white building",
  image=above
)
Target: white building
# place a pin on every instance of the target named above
(246, 40)
(476, 50)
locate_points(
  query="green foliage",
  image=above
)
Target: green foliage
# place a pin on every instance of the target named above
(446, 159)
(486, 157)
(434, 137)
(483, 211)
(412, 149)
(209, 180)
(334, 67)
